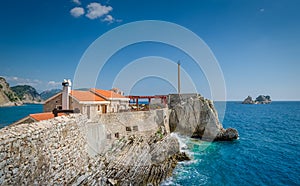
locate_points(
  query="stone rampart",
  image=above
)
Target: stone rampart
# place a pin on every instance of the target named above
(61, 151)
(48, 152)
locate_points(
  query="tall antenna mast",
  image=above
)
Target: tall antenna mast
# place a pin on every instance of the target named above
(178, 77)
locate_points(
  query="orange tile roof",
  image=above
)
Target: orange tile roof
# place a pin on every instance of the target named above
(44, 116)
(107, 93)
(86, 96)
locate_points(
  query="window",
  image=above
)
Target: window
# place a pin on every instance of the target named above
(117, 135)
(135, 128)
(98, 108)
(128, 128)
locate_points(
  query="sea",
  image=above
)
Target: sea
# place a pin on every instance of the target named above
(12, 114)
(266, 153)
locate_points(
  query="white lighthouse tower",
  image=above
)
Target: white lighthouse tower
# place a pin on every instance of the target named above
(65, 93)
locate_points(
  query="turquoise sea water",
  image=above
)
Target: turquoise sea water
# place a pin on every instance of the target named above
(267, 153)
(9, 115)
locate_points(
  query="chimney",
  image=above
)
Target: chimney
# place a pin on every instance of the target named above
(65, 93)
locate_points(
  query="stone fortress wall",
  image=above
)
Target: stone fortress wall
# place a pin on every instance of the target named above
(57, 151)
(104, 130)
(52, 151)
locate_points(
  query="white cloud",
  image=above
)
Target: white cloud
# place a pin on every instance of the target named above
(77, 12)
(76, 2)
(54, 84)
(23, 81)
(96, 10)
(109, 19)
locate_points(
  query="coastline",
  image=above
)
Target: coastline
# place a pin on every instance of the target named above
(131, 148)
(11, 114)
(248, 161)
(202, 160)
(24, 103)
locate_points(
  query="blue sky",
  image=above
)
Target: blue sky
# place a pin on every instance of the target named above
(256, 43)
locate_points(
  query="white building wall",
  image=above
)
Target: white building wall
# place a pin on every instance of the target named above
(117, 105)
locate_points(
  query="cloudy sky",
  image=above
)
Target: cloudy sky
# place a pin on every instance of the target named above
(256, 43)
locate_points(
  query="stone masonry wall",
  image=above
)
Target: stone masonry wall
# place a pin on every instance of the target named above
(52, 104)
(49, 152)
(104, 130)
(57, 151)
(142, 122)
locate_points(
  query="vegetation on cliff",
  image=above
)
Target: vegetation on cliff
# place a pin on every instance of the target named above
(17, 95)
(27, 94)
(7, 96)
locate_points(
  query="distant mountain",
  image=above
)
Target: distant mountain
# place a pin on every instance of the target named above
(49, 93)
(27, 94)
(7, 96)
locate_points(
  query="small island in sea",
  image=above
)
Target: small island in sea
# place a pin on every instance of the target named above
(261, 99)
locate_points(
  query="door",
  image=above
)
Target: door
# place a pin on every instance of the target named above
(88, 111)
(104, 108)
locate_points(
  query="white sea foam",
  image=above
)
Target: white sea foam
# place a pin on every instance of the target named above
(168, 182)
(182, 141)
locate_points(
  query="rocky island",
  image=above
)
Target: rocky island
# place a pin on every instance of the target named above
(261, 99)
(128, 148)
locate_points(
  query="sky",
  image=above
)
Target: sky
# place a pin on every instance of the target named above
(256, 43)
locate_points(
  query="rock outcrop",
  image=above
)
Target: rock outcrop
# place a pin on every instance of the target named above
(134, 161)
(194, 116)
(7, 96)
(261, 99)
(248, 100)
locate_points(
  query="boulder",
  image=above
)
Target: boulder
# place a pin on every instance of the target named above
(261, 99)
(227, 135)
(192, 115)
(248, 100)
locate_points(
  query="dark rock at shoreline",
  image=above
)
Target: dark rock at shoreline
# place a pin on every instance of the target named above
(227, 135)
(182, 157)
(192, 115)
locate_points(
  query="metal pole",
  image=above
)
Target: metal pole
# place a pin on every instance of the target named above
(178, 77)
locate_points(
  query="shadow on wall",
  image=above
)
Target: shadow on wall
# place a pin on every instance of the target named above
(107, 128)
